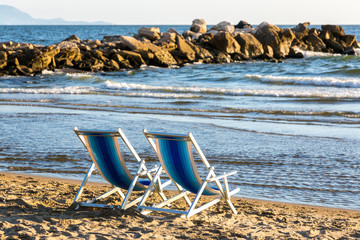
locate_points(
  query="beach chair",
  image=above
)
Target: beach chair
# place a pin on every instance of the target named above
(104, 150)
(175, 154)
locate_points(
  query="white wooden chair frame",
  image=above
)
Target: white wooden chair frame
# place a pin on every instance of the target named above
(141, 171)
(225, 193)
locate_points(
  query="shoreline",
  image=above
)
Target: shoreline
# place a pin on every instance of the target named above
(34, 207)
(94, 183)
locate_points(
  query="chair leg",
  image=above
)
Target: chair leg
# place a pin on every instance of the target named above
(151, 186)
(198, 195)
(104, 195)
(88, 174)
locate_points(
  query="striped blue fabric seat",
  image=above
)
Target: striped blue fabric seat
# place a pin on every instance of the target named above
(105, 152)
(177, 159)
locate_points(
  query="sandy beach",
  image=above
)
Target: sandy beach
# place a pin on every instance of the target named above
(33, 207)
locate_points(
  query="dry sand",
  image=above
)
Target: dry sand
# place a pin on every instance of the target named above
(40, 208)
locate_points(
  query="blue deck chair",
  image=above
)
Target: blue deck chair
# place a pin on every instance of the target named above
(176, 158)
(104, 150)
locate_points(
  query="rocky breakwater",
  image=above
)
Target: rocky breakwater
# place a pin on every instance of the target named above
(222, 43)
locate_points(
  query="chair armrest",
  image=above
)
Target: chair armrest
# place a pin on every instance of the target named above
(221, 176)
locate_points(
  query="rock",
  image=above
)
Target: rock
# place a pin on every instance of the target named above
(350, 51)
(111, 65)
(293, 53)
(196, 36)
(132, 44)
(301, 30)
(184, 51)
(149, 33)
(278, 39)
(83, 47)
(334, 45)
(112, 38)
(73, 38)
(268, 52)
(250, 46)
(348, 40)
(225, 42)
(198, 26)
(356, 44)
(122, 62)
(161, 57)
(65, 63)
(324, 35)
(166, 38)
(205, 39)
(134, 58)
(3, 56)
(3, 64)
(336, 30)
(90, 63)
(223, 27)
(24, 70)
(239, 57)
(222, 58)
(315, 42)
(65, 44)
(243, 24)
(71, 54)
(243, 30)
(188, 34)
(172, 30)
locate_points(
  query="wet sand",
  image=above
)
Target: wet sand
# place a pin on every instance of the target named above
(33, 207)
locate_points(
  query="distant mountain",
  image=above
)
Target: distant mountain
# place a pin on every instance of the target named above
(12, 16)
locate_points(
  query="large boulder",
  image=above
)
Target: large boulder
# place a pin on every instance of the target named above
(242, 24)
(149, 33)
(301, 30)
(161, 57)
(134, 58)
(334, 45)
(132, 43)
(198, 26)
(38, 60)
(336, 30)
(184, 51)
(3, 55)
(73, 38)
(278, 39)
(225, 43)
(71, 54)
(349, 40)
(250, 46)
(315, 43)
(223, 27)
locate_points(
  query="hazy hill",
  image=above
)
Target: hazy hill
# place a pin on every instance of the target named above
(12, 16)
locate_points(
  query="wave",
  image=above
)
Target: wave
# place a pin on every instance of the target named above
(311, 93)
(56, 90)
(308, 54)
(315, 81)
(176, 92)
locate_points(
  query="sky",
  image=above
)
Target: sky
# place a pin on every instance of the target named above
(147, 12)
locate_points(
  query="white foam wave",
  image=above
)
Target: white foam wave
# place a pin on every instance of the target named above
(316, 81)
(357, 51)
(311, 93)
(55, 90)
(308, 54)
(47, 72)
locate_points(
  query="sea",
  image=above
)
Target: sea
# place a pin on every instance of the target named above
(291, 130)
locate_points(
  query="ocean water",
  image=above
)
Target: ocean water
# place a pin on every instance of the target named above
(291, 129)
